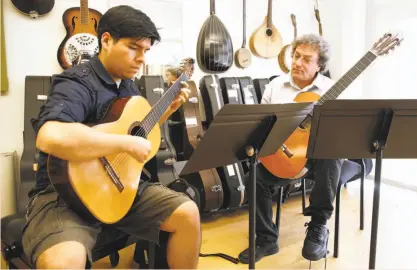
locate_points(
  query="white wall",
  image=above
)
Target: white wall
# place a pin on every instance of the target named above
(394, 76)
(31, 45)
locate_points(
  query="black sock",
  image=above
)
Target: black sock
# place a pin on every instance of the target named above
(319, 220)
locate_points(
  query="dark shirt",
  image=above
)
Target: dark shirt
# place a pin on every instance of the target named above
(80, 94)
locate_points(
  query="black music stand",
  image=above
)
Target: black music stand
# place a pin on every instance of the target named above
(240, 132)
(356, 129)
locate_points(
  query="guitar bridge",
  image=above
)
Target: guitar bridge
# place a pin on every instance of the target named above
(112, 174)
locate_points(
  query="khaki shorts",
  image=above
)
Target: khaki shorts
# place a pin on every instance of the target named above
(50, 221)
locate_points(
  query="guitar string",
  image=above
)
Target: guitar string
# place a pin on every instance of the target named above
(370, 57)
(155, 113)
(144, 129)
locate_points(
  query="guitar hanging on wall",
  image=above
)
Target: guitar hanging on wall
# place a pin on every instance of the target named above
(81, 41)
(34, 8)
(290, 160)
(266, 40)
(243, 57)
(284, 57)
(214, 45)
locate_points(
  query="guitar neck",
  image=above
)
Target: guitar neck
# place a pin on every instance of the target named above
(84, 11)
(244, 24)
(153, 117)
(348, 78)
(269, 16)
(212, 7)
(344, 81)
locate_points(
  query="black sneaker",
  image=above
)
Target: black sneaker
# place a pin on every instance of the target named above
(315, 243)
(260, 252)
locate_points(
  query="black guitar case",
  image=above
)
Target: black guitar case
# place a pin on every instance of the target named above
(36, 93)
(161, 166)
(214, 45)
(259, 85)
(233, 177)
(231, 90)
(248, 91)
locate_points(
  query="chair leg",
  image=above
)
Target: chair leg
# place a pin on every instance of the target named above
(303, 190)
(336, 223)
(151, 255)
(279, 203)
(362, 211)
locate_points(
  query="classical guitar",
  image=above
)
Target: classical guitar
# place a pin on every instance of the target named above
(266, 40)
(290, 160)
(104, 188)
(81, 41)
(34, 8)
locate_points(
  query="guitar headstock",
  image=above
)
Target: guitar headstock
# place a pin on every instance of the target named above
(387, 43)
(187, 66)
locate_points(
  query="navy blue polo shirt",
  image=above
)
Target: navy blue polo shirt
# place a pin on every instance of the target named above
(79, 94)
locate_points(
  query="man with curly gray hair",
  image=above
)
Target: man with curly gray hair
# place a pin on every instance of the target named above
(310, 59)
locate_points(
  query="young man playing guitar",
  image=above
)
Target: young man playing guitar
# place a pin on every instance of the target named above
(310, 58)
(56, 236)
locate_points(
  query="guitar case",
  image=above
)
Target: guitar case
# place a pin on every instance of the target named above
(206, 181)
(248, 91)
(214, 45)
(232, 175)
(260, 85)
(36, 93)
(161, 166)
(231, 90)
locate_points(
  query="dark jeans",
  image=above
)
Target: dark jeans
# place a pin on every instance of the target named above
(325, 174)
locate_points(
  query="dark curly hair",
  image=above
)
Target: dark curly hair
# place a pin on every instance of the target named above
(127, 22)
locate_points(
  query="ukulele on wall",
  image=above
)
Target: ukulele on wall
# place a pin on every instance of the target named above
(81, 41)
(266, 40)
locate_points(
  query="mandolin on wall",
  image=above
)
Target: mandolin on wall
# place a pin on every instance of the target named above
(266, 40)
(81, 41)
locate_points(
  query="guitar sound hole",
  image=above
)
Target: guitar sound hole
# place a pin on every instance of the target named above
(138, 130)
(269, 32)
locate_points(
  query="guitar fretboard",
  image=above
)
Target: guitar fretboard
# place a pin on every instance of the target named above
(344, 81)
(153, 117)
(84, 11)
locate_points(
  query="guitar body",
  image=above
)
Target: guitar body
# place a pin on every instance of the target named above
(81, 37)
(265, 42)
(294, 167)
(86, 186)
